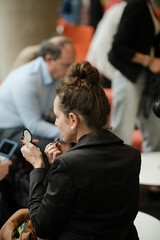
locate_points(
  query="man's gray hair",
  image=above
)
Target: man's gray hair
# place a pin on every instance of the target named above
(52, 48)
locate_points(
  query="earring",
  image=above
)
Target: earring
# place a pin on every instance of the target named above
(72, 127)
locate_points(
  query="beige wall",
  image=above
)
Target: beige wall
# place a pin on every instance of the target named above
(23, 23)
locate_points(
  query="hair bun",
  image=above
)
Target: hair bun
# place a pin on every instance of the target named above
(80, 92)
(82, 75)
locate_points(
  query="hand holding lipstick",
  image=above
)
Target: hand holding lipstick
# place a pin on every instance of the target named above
(52, 150)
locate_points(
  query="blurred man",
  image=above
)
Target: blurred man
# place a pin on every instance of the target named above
(27, 94)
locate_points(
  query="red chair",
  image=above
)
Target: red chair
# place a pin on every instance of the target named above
(61, 22)
(137, 139)
(157, 11)
(81, 36)
(108, 92)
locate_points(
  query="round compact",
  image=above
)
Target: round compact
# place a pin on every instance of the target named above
(27, 134)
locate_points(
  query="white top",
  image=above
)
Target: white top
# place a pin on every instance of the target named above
(102, 40)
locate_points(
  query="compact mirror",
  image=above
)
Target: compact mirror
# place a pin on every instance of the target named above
(27, 134)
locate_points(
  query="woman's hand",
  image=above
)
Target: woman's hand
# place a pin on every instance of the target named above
(4, 169)
(152, 63)
(154, 66)
(53, 150)
(31, 153)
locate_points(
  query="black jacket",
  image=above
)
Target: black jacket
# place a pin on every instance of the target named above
(135, 34)
(96, 12)
(90, 192)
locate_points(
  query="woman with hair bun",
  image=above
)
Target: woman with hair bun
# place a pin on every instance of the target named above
(92, 190)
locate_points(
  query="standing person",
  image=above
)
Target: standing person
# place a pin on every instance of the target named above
(84, 12)
(102, 40)
(135, 49)
(27, 94)
(91, 191)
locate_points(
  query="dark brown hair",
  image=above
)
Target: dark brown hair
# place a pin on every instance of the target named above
(80, 92)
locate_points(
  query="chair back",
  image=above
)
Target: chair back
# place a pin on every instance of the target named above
(81, 36)
(148, 227)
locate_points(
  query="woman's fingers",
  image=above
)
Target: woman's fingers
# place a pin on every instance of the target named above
(25, 141)
(53, 155)
(52, 151)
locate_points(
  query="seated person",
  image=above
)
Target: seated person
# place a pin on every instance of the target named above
(92, 190)
(30, 53)
(27, 94)
(27, 54)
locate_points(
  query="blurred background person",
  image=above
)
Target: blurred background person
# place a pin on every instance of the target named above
(102, 42)
(27, 94)
(30, 53)
(84, 12)
(135, 48)
(26, 99)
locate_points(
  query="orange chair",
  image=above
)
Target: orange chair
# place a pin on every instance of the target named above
(81, 36)
(137, 139)
(108, 92)
(61, 21)
(157, 11)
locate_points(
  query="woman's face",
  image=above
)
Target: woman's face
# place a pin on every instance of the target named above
(63, 123)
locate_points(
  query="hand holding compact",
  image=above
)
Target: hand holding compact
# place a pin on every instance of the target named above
(31, 153)
(28, 135)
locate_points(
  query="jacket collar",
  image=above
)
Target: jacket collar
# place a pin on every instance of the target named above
(98, 137)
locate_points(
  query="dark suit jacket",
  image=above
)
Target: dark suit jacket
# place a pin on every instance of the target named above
(90, 192)
(135, 34)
